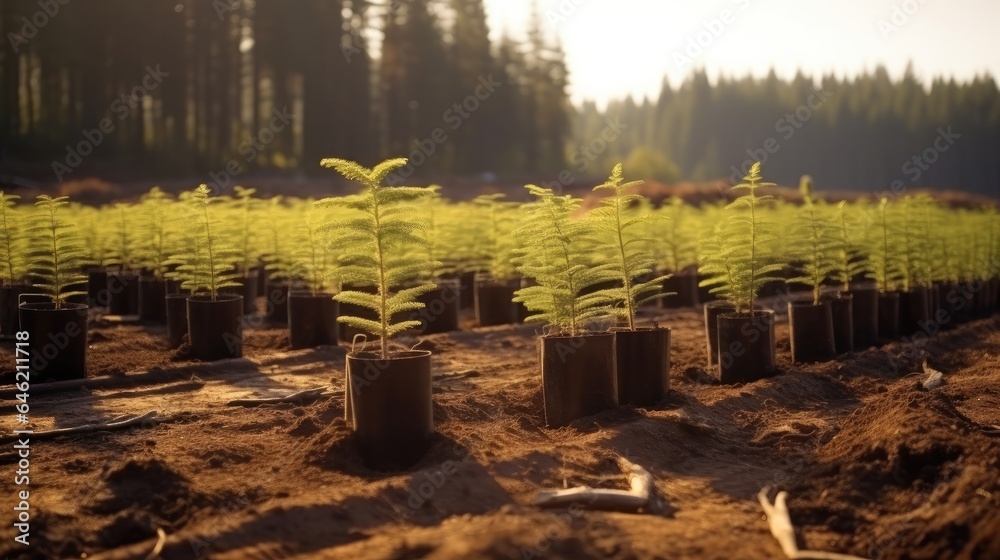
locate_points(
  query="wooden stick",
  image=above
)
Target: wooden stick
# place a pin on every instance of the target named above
(637, 496)
(162, 390)
(161, 540)
(780, 523)
(301, 396)
(86, 428)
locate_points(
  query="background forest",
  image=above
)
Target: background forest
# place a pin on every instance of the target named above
(277, 85)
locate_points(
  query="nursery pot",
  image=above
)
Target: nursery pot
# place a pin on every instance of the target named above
(390, 406)
(984, 307)
(685, 285)
(312, 319)
(913, 310)
(215, 327)
(176, 313)
(934, 302)
(712, 311)
(97, 283)
(261, 274)
(746, 346)
(467, 281)
(440, 311)
(152, 302)
(888, 315)
(578, 376)
(276, 304)
(122, 293)
(642, 365)
(864, 308)
(811, 330)
(842, 313)
(492, 300)
(57, 340)
(248, 289)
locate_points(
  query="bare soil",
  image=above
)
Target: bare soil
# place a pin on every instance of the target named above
(874, 465)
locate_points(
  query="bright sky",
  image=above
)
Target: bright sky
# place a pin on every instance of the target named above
(619, 47)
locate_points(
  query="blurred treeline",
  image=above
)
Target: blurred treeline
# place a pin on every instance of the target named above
(361, 79)
(367, 79)
(860, 133)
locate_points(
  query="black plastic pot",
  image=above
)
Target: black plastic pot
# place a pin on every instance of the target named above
(842, 313)
(984, 304)
(261, 273)
(888, 315)
(934, 301)
(248, 289)
(391, 407)
(642, 365)
(9, 301)
(152, 302)
(578, 376)
(959, 301)
(57, 340)
(492, 301)
(97, 284)
(215, 327)
(864, 308)
(122, 293)
(176, 312)
(913, 310)
(712, 311)
(276, 304)
(811, 331)
(440, 312)
(467, 281)
(685, 285)
(746, 346)
(995, 294)
(312, 320)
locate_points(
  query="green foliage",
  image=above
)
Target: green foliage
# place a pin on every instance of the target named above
(122, 239)
(673, 237)
(649, 164)
(442, 234)
(615, 224)
(14, 264)
(374, 238)
(156, 225)
(56, 253)
(883, 246)
(314, 256)
(554, 251)
(847, 265)
(739, 266)
(279, 246)
(806, 187)
(919, 254)
(210, 265)
(244, 207)
(499, 246)
(813, 245)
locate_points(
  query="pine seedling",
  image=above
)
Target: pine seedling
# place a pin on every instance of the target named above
(553, 251)
(122, 239)
(499, 247)
(280, 263)
(313, 256)
(674, 245)
(716, 266)
(884, 267)
(14, 264)
(377, 233)
(244, 207)
(615, 224)
(847, 264)
(814, 245)
(442, 233)
(744, 234)
(93, 232)
(157, 229)
(209, 266)
(57, 254)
